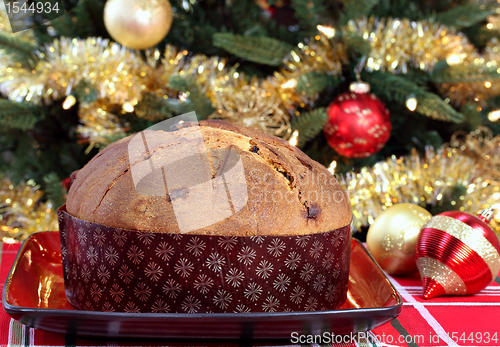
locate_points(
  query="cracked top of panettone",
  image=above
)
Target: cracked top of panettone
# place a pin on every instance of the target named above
(287, 192)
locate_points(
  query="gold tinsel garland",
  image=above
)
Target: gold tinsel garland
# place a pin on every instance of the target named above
(480, 91)
(26, 35)
(4, 20)
(470, 161)
(493, 22)
(318, 54)
(482, 147)
(253, 106)
(22, 212)
(120, 77)
(397, 44)
(266, 105)
(99, 124)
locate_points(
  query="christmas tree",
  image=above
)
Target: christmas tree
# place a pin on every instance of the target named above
(295, 69)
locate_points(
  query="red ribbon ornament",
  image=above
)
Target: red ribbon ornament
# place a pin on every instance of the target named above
(457, 254)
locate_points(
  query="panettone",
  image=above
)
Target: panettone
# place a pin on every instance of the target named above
(288, 193)
(283, 246)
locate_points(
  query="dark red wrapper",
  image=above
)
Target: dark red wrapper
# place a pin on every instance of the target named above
(113, 269)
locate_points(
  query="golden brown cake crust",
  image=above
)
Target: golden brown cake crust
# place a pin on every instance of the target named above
(288, 193)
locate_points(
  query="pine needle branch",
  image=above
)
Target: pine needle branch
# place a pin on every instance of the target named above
(312, 83)
(356, 45)
(465, 16)
(54, 189)
(197, 100)
(20, 49)
(262, 50)
(309, 124)
(18, 115)
(396, 88)
(106, 140)
(355, 9)
(81, 21)
(308, 13)
(461, 73)
(431, 105)
(472, 115)
(24, 162)
(86, 92)
(153, 108)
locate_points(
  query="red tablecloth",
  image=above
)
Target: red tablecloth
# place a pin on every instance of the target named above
(447, 321)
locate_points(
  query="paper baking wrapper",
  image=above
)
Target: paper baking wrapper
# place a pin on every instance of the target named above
(112, 269)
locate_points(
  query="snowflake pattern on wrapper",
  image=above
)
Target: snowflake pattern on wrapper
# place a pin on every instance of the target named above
(116, 270)
(253, 291)
(160, 307)
(203, 283)
(112, 255)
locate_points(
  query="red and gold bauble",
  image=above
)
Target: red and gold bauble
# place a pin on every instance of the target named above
(457, 254)
(358, 123)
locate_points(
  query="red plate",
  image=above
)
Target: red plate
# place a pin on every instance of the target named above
(34, 295)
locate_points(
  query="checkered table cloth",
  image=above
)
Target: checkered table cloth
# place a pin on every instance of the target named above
(447, 321)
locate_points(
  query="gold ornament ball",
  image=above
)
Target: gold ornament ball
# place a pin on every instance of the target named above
(138, 24)
(392, 237)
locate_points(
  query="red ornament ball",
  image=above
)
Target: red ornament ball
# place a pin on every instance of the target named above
(457, 254)
(358, 125)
